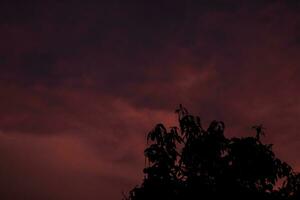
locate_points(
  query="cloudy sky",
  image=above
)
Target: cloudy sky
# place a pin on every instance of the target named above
(82, 83)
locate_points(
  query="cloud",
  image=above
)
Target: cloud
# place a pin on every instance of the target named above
(82, 84)
(57, 167)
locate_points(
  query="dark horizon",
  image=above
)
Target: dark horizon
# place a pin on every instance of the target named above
(83, 83)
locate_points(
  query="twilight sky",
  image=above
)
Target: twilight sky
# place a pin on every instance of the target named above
(82, 83)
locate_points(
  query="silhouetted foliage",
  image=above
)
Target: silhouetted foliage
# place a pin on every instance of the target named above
(190, 162)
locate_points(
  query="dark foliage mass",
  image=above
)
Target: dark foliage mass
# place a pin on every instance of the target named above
(190, 162)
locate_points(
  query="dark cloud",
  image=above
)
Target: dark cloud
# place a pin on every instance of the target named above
(82, 83)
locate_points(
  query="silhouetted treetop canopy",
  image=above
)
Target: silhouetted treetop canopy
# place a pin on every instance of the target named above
(191, 162)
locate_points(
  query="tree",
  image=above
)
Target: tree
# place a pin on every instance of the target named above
(189, 162)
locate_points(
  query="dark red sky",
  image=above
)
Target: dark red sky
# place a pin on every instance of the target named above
(82, 83)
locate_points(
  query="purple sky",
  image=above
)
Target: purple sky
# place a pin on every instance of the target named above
(83, 83)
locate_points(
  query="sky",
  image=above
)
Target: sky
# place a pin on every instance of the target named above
(83, 82)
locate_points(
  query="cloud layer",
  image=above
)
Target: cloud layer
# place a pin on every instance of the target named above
(83, 83)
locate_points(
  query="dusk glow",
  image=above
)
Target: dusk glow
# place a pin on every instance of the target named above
(83, 83)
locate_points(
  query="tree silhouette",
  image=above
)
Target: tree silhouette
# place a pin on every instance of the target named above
(190, 162)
